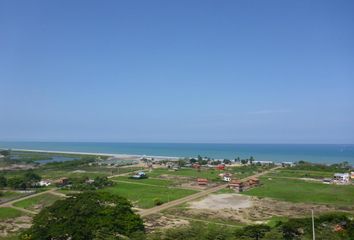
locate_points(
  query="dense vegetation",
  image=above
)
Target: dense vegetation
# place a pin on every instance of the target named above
(327, 227)
(89, 215)
(337, 167)
(26, 180)
(84, 183)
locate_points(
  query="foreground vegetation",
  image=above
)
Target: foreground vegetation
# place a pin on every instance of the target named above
(90, 215)
(327, 227)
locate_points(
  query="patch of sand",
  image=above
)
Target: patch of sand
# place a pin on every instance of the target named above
(223, 201)
(10, 226)
(154, 222)
(239, 208)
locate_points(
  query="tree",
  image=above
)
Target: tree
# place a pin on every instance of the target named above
(89, 215)
(30, 178)
(227, 161)
(251, 159)
(255, 232)
(17, 183)
(3, 182)
(244, 161)
(5, 153)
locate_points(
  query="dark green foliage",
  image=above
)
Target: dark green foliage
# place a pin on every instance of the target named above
(307, 166)
(89, 215)
(253, 232)
(85, 184)
(28, 180)
(194, 231)
(3, 182)
(70, 164)
(5, 153)
(158, 202)
(16, 183)
(293, 229)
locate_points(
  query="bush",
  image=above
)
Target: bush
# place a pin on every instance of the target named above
(158, 202)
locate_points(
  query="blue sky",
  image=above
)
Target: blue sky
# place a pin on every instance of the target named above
(177, 71)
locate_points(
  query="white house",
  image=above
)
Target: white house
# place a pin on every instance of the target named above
(227, 178)
(44, 183)
(341, 177)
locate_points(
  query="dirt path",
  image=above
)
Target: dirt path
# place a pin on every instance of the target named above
(195, 196)
(153, 185)
(24, 210)
(9, 204)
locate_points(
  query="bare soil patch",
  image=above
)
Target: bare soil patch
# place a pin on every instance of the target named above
(223, 201)
(154, 222)
(14, 225)
(244, 209)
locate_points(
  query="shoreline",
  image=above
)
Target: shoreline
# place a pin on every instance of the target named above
(115, 155)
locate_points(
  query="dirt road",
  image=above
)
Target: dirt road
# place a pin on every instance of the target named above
(192, 197)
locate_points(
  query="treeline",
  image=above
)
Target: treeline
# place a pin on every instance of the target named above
(69, 164)
(327, 227)
(86, 184)
(28, 180)
(308, 166)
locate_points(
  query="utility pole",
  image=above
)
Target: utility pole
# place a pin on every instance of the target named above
(313, 226)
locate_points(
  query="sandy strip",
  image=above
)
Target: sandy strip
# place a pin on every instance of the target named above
(97, 153)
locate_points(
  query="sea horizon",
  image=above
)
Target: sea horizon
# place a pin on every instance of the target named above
(278, 152)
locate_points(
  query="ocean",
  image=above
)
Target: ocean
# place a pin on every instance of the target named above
(319, 153)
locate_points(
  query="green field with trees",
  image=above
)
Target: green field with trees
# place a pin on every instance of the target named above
(147, 196)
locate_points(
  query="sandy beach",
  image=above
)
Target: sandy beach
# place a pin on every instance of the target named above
(115, 155)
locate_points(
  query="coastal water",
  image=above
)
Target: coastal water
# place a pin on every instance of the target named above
(321, 153)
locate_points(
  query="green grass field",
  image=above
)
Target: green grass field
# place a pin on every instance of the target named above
(6, 213)
(301, 174)
(307, 192)
(38, 202)
(210, 174)
(144, 196)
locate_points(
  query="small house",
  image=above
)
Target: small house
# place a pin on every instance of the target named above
(226, 177)
(139, 175)
(44, 183)
(220, 167)
(62, 181)
(288, 164)
(202, 181)
(341, 177)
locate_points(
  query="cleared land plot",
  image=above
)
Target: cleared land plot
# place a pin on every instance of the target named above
(38, 202)
(12, 222)
(150, 181)
(293, 190)
(144, 196)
